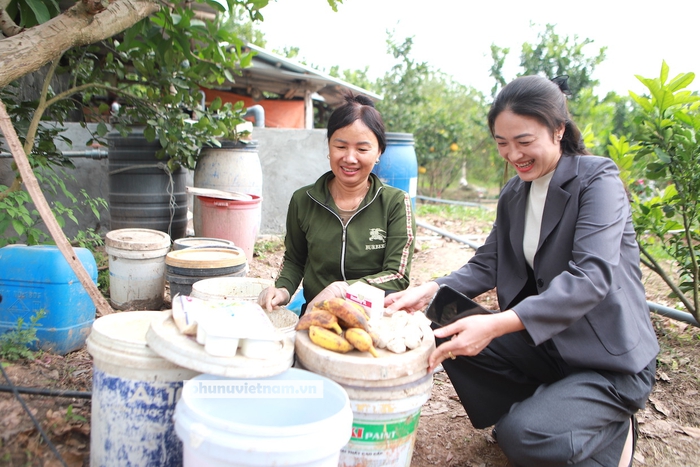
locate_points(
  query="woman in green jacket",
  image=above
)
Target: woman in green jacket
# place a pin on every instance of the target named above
(348, 226)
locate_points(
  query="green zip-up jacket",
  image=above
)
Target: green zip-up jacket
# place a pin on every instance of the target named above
(376, 245)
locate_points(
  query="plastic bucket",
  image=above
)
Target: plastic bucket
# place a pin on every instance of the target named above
(142, 192)
(238, 221)
(184, 268)
(134, 395)
(398, 165)
(245, 288)
(384, 424)
(223, 288)
(235, 166)
(136, 268)
(201, 242)
(386, 395)
(296, 418)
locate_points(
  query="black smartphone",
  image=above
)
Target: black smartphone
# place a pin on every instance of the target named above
(448, 305)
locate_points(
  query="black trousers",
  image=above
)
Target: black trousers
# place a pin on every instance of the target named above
(545, 412)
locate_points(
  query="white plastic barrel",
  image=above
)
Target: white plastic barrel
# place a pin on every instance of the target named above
(296, 418)
(136, 268)
(235, 166)
(134, 394)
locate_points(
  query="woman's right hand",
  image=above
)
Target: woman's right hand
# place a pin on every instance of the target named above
(272, 297)
(411, 299)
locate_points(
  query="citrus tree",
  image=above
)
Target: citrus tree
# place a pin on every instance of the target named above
(666, 203)
(447, 120)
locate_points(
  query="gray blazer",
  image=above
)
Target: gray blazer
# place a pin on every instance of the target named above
(591, 300)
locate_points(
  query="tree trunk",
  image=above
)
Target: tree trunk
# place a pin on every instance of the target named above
(31, 49)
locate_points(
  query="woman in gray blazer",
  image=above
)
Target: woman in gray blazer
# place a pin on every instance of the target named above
(562, 369)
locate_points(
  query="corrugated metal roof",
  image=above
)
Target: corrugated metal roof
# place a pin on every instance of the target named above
(273, 73)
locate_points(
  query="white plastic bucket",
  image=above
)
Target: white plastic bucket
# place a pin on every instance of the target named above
(386, 395)
(134, 394)
(384, 427)
(136, 268)
(222, 288)
(245, 288)
(296, 425)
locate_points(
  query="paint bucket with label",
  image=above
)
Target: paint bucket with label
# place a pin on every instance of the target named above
(386, 396)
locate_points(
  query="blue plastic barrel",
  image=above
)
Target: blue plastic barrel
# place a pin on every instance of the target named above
(38, 277)
(398, 166)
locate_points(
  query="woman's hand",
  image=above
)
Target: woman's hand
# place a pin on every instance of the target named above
(472, 334)
(333, 290)
(272, 297)
(411, 299)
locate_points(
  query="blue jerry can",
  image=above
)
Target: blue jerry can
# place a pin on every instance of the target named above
(39, 277)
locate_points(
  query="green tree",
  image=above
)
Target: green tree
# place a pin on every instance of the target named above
(446, 118)
(554, 55)
(667, 144)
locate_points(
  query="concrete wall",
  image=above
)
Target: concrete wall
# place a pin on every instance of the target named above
(289, 158)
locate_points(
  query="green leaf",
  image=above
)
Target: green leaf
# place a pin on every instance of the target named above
(681, 81)
(664, 71)
(149, 133)
(41, 13)
(18, 226)
(102, 129)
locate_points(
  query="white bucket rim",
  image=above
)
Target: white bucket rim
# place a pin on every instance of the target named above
(264, 431)
(137, 239)
(120, 339)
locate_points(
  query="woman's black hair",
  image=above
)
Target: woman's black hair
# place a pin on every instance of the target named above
(358, 107)
(539, 98)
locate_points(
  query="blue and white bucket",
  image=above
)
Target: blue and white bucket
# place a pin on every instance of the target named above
(134, 394)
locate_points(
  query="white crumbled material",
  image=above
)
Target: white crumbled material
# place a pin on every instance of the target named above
(399, 332)
(397, 345)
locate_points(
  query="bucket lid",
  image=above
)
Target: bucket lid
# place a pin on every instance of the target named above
(360, 368)
(399, 138)
(205, 258)
(198, 242)
(166, 340)
(124, 331)
(137, 239)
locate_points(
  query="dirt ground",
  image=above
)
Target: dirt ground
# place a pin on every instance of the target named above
(669, 425)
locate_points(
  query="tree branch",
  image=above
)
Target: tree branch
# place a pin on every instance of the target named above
(33, 48)
(655, 267)
(42, 206)
(7, 26)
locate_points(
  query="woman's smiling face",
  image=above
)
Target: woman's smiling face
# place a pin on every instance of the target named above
(527, 144)
(353, 150)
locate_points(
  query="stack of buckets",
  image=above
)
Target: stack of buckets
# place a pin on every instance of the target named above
(233, 167)
(148, 411)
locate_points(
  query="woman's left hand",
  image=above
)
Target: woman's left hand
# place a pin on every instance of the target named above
(472, 334)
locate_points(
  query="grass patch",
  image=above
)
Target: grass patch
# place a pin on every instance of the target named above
(456, 212)
(267, 245)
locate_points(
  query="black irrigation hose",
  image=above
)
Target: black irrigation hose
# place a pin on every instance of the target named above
(34, 420)
(47, 392)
